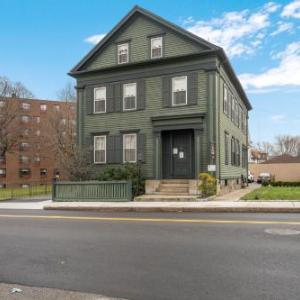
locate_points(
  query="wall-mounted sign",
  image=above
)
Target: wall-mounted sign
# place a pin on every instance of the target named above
(181, 154)
(175, 150)
(211, 168)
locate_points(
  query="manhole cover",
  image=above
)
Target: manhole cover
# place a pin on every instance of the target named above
(279, 231)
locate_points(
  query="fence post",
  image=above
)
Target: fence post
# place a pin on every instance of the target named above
(53, 190)
(129, 190)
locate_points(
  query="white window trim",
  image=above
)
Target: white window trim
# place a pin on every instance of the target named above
(161, 53)
(129, 134)
(118, 46)
(104, 162)
(135, 107)
(95, 89)
(186, 94)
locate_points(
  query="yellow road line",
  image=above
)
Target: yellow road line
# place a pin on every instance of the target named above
(153, 220)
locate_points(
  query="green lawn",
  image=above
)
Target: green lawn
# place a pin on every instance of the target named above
(9, 193)
(274, 193)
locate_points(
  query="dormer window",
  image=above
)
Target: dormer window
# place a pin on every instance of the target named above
(123, 53)
(179, 90)
(156, 47)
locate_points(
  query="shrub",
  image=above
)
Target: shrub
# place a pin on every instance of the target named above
(127, 172)
(285, 183)
(208, 185)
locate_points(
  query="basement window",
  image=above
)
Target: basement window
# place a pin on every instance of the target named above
(24, 172)
(43, 172)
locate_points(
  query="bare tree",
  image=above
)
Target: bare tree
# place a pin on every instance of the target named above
(67, 93)
(14, 89)
(9, 125)
(287, 144)
(60, 138)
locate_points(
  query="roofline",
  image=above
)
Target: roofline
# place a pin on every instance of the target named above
(33, 99)
(150, 15)
(227, 65)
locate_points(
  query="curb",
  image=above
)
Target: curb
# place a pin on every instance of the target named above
(180, 209)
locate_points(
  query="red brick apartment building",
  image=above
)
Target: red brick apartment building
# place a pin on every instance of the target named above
(32, 159)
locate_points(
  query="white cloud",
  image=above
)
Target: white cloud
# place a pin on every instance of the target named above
(282, 27)
(95, 39)
(278, 118)
(238, 32)
(287, 73)
(292, 10)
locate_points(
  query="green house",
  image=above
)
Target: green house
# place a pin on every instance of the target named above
(153, 93)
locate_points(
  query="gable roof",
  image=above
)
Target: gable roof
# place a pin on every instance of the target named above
(283, 159)
(138, 10)
(185, 33)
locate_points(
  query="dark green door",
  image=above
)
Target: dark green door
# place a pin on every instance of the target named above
(178, 154)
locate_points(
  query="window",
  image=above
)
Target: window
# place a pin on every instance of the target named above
(129, 96)
(24, 172)
(43, 172)
(43, 107)
(232, 109)
(26, 132)
(236, 109)
(38, 132)
(24, 159)
(100, 149)
(229, 104)
(179, 90)
(2, 186)
(226, 148)
(24, 186)
(238, 153)
(156, 47)
(56, 108)
(37, 120)
(2, 104)
(100, 100)
(232, 151)
(36, 159)
(25, 106)
(225, 100)
(24, 146)
(129, 146)
(2, 159)
(2, 172)
(244, 156)
(25, 119)
(123, 53)
(63, 121)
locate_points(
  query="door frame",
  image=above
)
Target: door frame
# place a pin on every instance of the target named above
(168, 159)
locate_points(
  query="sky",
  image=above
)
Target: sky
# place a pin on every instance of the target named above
(40, 41)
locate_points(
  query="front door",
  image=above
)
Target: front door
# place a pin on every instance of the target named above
(178, 154)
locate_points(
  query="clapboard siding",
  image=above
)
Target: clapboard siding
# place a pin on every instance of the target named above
(141, 119)
(138, 33)
(229, 171)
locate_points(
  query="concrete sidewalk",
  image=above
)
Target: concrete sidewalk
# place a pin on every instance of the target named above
(207, 206)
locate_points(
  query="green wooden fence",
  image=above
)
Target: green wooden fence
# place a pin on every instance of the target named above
(102, 191)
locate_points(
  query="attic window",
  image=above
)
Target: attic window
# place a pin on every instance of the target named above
(123, 53)
(156, 47)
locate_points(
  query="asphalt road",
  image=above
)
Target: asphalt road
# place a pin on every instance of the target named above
(152, 256)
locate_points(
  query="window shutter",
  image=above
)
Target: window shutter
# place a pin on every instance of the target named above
(89, 147)
(110, 148)
(110, 98)
(141, 94)
(89, 100)
(118, 97)
(166, 91)
(118, 145)
(141, 147)
(192, 88)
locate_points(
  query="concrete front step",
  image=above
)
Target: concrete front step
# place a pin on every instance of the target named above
(171, 193)
(162, 197)
(174, 181)
(173, 190)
